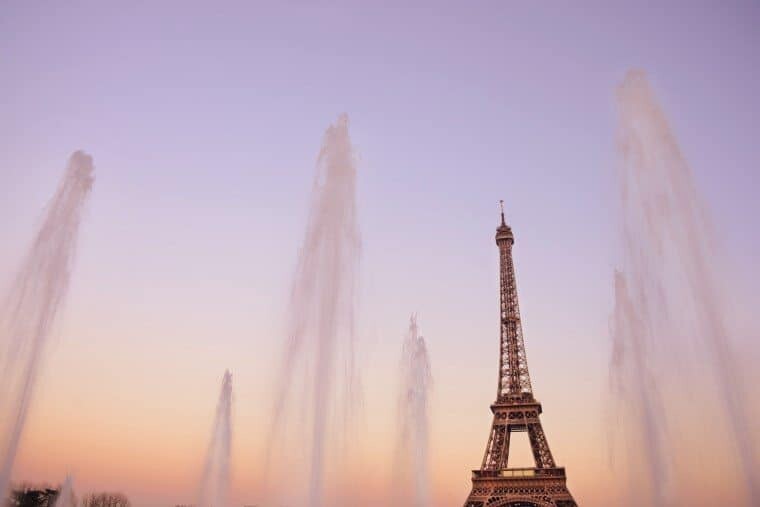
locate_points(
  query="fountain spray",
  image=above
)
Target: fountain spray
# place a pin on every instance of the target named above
(215, 481)
(30, 308)
(668, 298)
(412, 462)
(65, 497)
(319, 350)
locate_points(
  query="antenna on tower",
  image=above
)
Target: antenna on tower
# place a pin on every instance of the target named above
(501, 205)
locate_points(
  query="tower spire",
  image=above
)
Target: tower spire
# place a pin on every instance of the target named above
(514, 379)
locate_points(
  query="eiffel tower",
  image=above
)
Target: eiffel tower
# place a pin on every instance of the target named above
(515, 409)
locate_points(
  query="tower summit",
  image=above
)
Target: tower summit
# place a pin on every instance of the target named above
(515, 409)
(503, 232)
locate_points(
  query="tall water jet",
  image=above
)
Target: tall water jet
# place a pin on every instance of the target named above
(412, 461)
(669, 318)
(321, 338)
(215, 481)
(30, 308)
(65, 497)
(634, 380)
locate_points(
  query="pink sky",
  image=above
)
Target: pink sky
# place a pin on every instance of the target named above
(204, 124)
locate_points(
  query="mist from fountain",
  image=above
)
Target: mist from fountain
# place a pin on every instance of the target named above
(66, 496)
(669, 331)
(36, 296)
(319, 350)
(412, 461)
(215, 480)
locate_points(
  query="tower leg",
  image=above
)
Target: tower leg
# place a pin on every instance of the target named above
(540, 446)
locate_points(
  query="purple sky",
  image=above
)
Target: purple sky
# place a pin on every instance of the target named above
(205, 121)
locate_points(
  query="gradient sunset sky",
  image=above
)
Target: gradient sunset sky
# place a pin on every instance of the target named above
(204, 122)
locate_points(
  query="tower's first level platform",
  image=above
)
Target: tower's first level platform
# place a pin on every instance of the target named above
(520, 487)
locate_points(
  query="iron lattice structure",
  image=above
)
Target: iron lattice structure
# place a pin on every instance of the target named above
(515, 409)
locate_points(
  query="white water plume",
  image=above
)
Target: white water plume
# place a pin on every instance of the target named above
(672, 351)
(29, 310)
(215, 481)
(65, 497)
(412, 461)
(319, 350)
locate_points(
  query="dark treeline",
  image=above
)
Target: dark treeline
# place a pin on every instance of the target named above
(33, 497)
(105, 500)
(46, 497)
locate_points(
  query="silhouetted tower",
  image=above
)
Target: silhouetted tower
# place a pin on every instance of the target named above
(515, 409)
